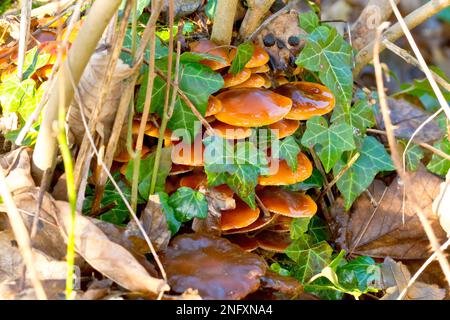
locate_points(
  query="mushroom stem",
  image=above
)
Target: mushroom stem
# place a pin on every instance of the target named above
(223, 22)
(257, 10)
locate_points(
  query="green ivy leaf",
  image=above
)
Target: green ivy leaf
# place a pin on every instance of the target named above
(14, 93)
(33, 61)
(327, 52)
(210, 9)
(318, 230)
(360, 116)
(161, 51)
(276, 267)
(172, 222)
(359, 176)
(243, 55)
(299, 227)
(146, 170)
(188, 204)
(359, 276)
(413, 156)
(288, 150)
(333, 140)
(310, 258)
(309, 21)
(198, 56)
(439, 165)
(243, 181)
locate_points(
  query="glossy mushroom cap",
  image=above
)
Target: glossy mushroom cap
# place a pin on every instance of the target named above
(260, 57)
(287, 203)
(283, 175)
(209, 47)
(255, 81)
(214, 266)
(245, 242)
(195, 180)
(309, 99)
(262, 69)
(252, 107)
(124, 156)
(227, 131)
(240, 217)
(231, 80)
(189, 154)
(259, 224)
(285, 127)
(281, 224)
(273, 241)
(214, 106)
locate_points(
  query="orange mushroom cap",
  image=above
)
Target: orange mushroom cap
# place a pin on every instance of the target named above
(209, 47)
(283, 175)
(214, 266)
(260, 57)
(189, 154)
(214, 106)
(255, 81)
(245, 242)
(240, 217)
(124, 156)
(281, 80)
(179, 169)
(257, 225)
(252, 107)
(262, 69)
(228, 131)
(285, 127)
(274, 241)
(309, 99)
(230, 80)
(287, 203)
(152, 131)
(195, 180)
(281, 224)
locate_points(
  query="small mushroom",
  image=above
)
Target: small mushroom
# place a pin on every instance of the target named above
(228, 131)
(283, 175)
(263, 69)
(196, 180)
(209, 47)
(255, 81)
(240, 217)
(259, 224)
(287, 203)
(179, 169)
(214, 106)
(281, 224)
(273, 241)
(309, 99)
(285, 127)
(230, 80)
(252, 107)
(124, 156)
(189, 154)
(214, 266)
(244, 241)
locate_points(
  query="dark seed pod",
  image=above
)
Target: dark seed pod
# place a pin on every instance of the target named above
(293, 41)
(269, 40)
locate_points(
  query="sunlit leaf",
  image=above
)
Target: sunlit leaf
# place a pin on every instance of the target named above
(288, 150)
(172, 222)
(309, 21)
(188, 204)
(243, 55)
(439, 165)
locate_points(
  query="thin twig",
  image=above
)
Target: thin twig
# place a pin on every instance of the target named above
(397, 160)
(21, 236)
(25, 19)
(402, 53)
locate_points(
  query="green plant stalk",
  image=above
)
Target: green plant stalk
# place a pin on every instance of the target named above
(165, 117)
(133, 27)
(72, 196)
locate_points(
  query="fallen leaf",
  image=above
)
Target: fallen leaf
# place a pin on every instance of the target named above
(406, 118)
(107, 257)
(155, 225)
(389, 232)
(441, 205)
(17, 169)
(395, 278)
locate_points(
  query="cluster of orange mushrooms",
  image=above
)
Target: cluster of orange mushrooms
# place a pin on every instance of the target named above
(251, 99)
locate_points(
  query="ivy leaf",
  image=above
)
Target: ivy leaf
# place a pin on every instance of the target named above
(359, 276)
(276, 267)
(172, 222)
(146, 171)
(413, 156)
(243, 181)
(327, 52)
(33, 61)
(288, 150)
(372, 160)
(210, 9)
(310, 258)
(360, 116)
(318, 230)
(161, 51)
(13, 93)
(313, 182)
(198, 56)
(439, 165)
(188, 204)
(299, 227)
(333, 140)
(243, 55)
(309, 21)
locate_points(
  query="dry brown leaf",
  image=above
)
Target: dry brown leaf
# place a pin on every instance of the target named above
(387, 233)
(89, 89)
(109, 258)
(17, 169)
(406, 118)
(395, 278)
(155, 225)
(217, 201)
